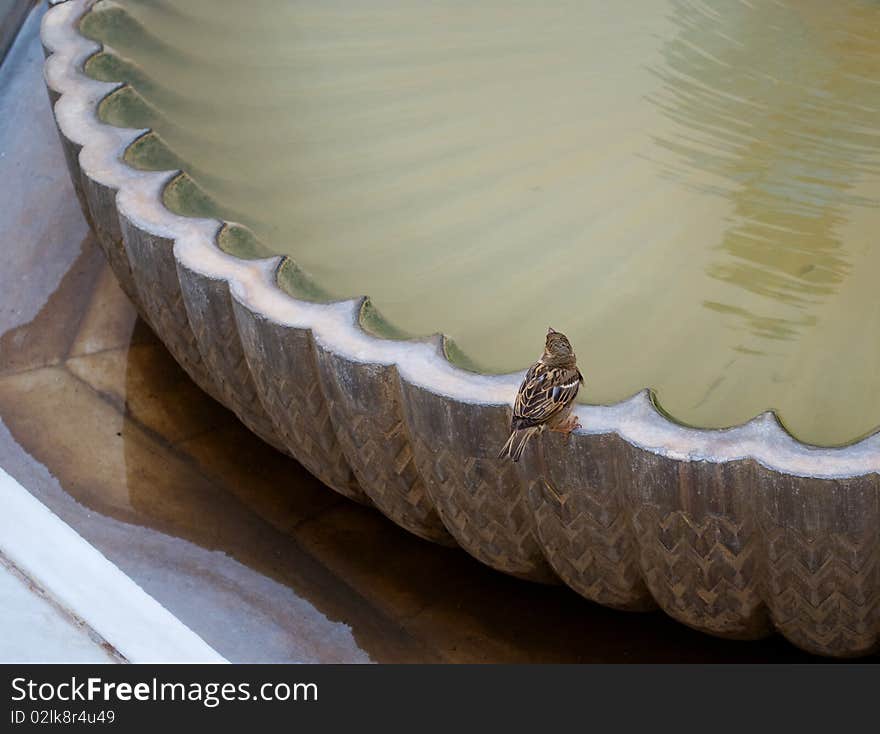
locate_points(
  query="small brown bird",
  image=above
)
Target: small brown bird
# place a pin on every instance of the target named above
(546, 395)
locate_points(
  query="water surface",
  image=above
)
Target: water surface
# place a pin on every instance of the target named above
(688, 189)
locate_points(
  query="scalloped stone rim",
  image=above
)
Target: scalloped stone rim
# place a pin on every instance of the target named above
(634, 504)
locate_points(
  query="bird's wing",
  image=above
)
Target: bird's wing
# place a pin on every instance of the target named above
(544, 393)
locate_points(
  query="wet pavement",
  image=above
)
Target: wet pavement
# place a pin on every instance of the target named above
(239, 542)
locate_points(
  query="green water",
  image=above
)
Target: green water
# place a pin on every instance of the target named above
(689, 190)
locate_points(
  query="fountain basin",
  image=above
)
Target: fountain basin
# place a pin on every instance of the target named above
(735, 532)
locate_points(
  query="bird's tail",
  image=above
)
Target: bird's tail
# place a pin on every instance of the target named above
(516, 443)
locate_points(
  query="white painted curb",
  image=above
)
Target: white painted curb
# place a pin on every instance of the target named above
(79, 579)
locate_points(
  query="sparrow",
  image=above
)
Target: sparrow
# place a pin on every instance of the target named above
(545, 396)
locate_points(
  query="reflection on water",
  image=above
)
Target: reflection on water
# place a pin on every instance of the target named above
(780, 101)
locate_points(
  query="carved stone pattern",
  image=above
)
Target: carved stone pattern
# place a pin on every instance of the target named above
(380, 454)
(115, 252)
(164, 309)
(482, 504)
(221, 350)
(823, 592)
(296, 404)
(71, 157)
(161, 306)
(102, 206)
(586, 537)
(703, 573)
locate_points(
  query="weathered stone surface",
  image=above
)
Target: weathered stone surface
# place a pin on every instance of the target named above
(209, 308)
(576, 490)
(479, 497)
(160, 301)
(71, 157)
(364, 404)
(103, 216)
(284, 371)
(821, 560)
(699, 541)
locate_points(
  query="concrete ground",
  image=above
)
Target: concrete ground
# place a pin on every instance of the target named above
(12, 14)
(239, 543)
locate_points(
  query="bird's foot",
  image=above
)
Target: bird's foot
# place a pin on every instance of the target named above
(572, 424)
